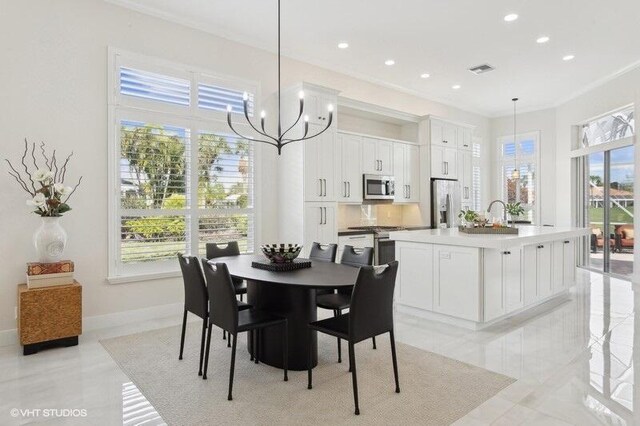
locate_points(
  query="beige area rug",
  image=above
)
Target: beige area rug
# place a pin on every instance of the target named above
(435, 390)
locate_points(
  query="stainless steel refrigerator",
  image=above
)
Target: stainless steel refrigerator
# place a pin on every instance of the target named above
(445, 203)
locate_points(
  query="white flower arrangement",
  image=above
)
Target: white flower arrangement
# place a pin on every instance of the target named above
(49, 195)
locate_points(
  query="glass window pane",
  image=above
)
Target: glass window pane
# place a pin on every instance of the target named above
(527, 147)
(225, 172)
(153, 166)
(508, 149)
(156, 87)
(621, 213)
(151, 238)
(609, 128)
(225, 228)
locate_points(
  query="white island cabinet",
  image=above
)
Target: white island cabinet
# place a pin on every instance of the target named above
(475, 280)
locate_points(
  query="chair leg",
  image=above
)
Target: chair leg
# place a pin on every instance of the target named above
(184, 330)
(224, 334)
(352, 358)
(233, 364)
(241, 297)
(395, 360)
(285, 349)
(374, 342)
(310, 359)
(229, 341)
(336, 312)
(256, 336)
(206, 354)
(204, 332)
(253, 345)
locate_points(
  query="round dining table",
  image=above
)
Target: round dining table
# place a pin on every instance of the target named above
(290, 294)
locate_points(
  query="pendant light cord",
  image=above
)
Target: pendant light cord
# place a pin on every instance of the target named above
(279, 81)
(516, 172)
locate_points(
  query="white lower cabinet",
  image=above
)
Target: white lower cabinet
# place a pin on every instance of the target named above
(538, 273)
(456, 281)
(503, 284)
(415, 288)
(356, 241)
(564, 265)
(319, 225)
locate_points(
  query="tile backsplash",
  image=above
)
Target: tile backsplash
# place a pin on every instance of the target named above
(378, 214)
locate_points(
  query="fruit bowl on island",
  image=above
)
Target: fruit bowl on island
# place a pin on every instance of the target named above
(281, 253)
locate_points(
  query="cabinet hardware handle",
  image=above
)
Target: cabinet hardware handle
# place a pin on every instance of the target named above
(567, 242)
(540, 246)
(320, 215)
(320, 194)
(325, 215)
(358, 238)
(445, 141)
(349, 187)
(506, 252)
(381, 165)
(443, 169)
(344, 189)
(324, 194)
(409, 186)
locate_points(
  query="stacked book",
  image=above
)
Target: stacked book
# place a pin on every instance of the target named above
(49, 274)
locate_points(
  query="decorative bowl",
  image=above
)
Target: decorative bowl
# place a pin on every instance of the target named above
(281, 253)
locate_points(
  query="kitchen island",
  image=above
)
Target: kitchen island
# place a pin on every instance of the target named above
(474, 280)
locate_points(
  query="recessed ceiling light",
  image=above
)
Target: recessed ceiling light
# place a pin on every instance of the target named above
(456, 86)
(542, 39)
(389, 62)
(343, 45)
(568, 57)
(425, 75)
(511, 17)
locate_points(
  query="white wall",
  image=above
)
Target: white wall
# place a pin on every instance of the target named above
(55, 74)
(543, 121)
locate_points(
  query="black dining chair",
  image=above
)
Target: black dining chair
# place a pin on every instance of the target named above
(226, 315)
(370, 314)
(215, 250)
(323, 254)
(340, 300)
(196, 299)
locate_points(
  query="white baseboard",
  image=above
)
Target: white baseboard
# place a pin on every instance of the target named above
(10, 337)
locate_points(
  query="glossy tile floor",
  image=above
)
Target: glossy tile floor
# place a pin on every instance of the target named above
(573, 360)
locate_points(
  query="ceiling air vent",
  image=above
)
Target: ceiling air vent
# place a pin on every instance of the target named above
(481, 69)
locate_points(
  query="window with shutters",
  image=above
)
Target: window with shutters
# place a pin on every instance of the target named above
(476, 184)
(523, 155)
(180, 177)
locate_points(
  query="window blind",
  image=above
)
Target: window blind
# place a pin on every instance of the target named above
(155, 87)
(217, 98)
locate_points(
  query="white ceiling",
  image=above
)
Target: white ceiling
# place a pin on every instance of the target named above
(441, 37)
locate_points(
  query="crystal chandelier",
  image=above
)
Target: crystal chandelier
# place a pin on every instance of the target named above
(279, 140)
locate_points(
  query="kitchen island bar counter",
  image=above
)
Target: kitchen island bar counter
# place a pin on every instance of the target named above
(473, 280)
(527, 235)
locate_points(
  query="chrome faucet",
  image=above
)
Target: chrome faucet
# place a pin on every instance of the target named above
(504, 207)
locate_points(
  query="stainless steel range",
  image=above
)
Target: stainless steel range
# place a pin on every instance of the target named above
(385, 249)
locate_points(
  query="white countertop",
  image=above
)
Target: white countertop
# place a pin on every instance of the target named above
(451, 236)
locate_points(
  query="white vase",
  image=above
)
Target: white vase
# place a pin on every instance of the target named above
(50, 240)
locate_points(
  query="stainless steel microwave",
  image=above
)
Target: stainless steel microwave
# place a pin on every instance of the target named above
(378, 187)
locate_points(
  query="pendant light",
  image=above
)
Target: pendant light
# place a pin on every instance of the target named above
(516, 173)
(279, 140)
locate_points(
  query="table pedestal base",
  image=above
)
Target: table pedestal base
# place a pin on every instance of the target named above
(298, 305)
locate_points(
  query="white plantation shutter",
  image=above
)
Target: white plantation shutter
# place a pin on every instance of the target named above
(524, 156)
(156, 87)
(476, 183)
(178, 186)
(217, 98)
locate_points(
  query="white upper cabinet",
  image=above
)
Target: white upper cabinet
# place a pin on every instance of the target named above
(444, 134)
(406, 168)
(465, 136)
(319, 166)
(377, 156)
(316, 107)
(444, 162)
(349, 164)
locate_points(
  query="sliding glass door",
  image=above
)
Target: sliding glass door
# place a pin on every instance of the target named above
(609, 210)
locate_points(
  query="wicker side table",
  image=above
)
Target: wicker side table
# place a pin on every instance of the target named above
(49, 316)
